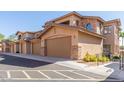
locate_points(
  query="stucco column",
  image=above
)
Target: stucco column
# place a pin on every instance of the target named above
(74, 52)
(25, 49)
(20, 48)
(31, 47)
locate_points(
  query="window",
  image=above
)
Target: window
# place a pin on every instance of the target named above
(65, 23)
(111, 28)
(89, 27)
(107, 49)
(77, 23)
(98, 28)
(108, 29)
(27, 35)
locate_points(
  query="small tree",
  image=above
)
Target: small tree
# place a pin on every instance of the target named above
(12, 37)
(1, 37)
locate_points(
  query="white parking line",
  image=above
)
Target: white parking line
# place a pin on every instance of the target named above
(62, 74)
(44, 75)
(83, 75)
(26, 75)
(68, 77)
(8, 74)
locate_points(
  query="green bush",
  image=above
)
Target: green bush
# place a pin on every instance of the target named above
(105, 59)
(94, 58)
(100, 59)
(116, 57)
(87, 57)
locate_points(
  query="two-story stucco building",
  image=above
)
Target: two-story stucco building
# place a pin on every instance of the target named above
(72, 36)
(27, 43)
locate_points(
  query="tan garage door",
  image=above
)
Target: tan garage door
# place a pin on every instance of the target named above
(59, 47)
(36, 48)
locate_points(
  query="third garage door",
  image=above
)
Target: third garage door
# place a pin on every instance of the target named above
(59, 47)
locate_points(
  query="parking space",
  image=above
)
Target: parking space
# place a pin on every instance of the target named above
(15, 68)
(47, 75)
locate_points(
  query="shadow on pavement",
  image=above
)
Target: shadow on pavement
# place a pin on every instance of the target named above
(16, 61)
(113, 76)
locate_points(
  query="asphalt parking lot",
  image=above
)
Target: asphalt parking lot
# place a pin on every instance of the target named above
(21, 69)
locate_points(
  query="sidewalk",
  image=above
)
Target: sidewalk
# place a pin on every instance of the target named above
(59, 61)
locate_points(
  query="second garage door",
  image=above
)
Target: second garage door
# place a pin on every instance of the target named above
(59, 47)
(36, 48)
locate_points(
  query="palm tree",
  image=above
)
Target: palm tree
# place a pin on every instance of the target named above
(121, 35)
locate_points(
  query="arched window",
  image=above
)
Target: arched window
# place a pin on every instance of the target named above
(89, 27)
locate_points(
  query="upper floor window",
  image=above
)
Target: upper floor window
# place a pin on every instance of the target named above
(98, 28)
(77, 23)
(89, 27)
(26, 35)
(65, 22)
(108, 29)
(74, 23)
(111, 28)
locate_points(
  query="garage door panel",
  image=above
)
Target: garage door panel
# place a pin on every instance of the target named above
(23, 48)
(28, 47)
(36, 48)
(59, 47)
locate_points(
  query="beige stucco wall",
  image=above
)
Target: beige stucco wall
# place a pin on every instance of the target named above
(56, 32)
(89, 44)
(14, 47)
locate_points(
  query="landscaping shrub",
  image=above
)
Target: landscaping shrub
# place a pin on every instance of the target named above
(116, 57)
(100, 59)
(105, 59)
(94, 58)
(87, 57)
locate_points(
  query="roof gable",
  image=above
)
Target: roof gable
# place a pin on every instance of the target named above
(66, 15)
(81, 29)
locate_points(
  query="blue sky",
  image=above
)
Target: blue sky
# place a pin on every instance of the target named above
(11, 22)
